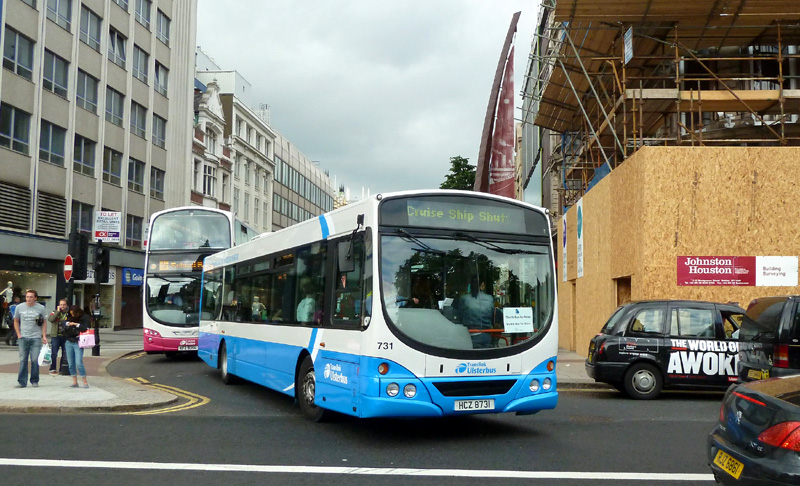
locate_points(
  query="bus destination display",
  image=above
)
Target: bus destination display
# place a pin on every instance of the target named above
(446, 213)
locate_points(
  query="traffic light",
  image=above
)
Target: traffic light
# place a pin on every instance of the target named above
(101, 264)
(78, 248)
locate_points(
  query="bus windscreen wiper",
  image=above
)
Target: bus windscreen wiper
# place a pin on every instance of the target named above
(491, 246)
(425, 248)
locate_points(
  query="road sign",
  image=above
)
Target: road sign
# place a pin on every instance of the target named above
(68, 268)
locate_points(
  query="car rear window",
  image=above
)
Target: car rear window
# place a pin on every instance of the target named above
(763, 317)
(612, 321)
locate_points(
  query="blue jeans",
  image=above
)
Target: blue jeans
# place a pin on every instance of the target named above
(56, 343)
(29, 351)
(75, 359)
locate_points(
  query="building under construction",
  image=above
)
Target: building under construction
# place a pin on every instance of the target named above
(676, 123)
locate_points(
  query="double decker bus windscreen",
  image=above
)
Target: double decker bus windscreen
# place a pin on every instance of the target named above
(190, 230)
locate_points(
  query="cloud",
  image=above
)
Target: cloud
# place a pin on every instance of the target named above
(382, 94)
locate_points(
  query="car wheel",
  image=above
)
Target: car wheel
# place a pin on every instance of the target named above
(306, 389)
(643, 381)
(227, 378)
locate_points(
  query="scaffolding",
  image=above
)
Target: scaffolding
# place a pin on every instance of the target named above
(609, 76)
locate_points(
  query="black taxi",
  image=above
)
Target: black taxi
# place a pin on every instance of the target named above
(648, 345)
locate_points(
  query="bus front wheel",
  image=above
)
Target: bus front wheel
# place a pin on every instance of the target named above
(227, 378)
(306, 391)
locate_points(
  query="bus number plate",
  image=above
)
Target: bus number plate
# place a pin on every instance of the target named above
(467, 405)
(187, 348)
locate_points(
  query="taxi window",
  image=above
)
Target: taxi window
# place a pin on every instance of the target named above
(648, 321)
(692, 323)
(731, 322)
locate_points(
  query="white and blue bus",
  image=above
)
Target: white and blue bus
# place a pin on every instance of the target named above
(178, 241)
(410, 304)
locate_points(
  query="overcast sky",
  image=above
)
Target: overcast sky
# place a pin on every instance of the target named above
(382, 94)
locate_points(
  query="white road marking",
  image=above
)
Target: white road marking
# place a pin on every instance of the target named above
(375, 471)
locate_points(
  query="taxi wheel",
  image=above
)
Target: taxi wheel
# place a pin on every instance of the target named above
(643, 381)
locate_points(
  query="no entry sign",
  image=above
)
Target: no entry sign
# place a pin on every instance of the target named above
(68, 268)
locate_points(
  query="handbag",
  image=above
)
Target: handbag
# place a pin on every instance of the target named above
(44, 355)
(86, 339)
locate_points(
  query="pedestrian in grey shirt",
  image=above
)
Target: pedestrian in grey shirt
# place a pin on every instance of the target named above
(31, 333)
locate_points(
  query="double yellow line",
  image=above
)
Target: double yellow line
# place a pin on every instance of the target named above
(194, 400)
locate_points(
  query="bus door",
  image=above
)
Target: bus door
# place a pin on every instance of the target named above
(337, 364)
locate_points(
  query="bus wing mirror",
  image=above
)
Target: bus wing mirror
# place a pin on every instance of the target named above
(346, 261)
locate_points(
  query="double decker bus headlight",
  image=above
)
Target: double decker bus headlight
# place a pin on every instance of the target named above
(534, 386)
(392, 389)
(410, 391)
(547, 384)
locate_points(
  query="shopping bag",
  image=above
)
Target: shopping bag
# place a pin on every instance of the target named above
(44, 355)
(86, 339)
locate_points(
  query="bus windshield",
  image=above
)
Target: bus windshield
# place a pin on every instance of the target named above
(461, 290)
(173, 299)
(190, 230)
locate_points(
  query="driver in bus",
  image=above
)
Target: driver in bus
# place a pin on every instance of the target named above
(475, 310)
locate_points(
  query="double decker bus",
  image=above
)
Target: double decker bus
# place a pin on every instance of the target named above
(178, 241)
(409, 304)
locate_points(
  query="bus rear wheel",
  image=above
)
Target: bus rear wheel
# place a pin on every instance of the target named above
(227, 378)
(306, 387)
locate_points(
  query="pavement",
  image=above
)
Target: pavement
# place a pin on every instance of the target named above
(110, 394)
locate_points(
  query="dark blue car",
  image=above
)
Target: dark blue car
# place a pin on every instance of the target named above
(757, 438)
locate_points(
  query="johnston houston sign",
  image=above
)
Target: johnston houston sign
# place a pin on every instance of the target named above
(778, 271)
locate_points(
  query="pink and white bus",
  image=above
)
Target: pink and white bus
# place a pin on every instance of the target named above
(178, 241)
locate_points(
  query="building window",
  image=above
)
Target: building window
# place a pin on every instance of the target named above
(87, 92)
(83, 156)
(133, 231)
(143, 12)
(162, 28)
(211, 142)
(138, 119)
(136, 175)
(255, 211)
(209, 180)
(159, 131)
(112, 166)
(82, 217)
(237, 167)
(32, 3)
(116, 48)
(156, 183)
(14, 128)
(51, 143)
(90, 28)
(247, 166)
(235, 199)
(114, 109)
(140, 60)
(55, 74)
(266, 182)
(162, 78)
(18, 53)
(123, 4)
(266, 209)
(60, 12)
(246, 207)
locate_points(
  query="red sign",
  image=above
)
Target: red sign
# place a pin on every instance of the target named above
(68, 267)
(717, 270)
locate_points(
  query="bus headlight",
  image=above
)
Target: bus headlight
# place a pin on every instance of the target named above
(392, 389)
(534, 386)
(410, 391)
(547, 384)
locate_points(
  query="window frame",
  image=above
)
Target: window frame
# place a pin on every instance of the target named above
(48, 143)
(84, 216)
(60, 15)
(163, 24)
(138, 123)
(52, 80)
(115, 106)
(133, 227)
(112, 166)
(83, 164)
(14, 141)
(136, 169)
(141, 16)
(161, 79)
(156, 183)
(91, 28)
(82, 87)
(139, 64)
(15, 64)
(116, 47)
(159, 131)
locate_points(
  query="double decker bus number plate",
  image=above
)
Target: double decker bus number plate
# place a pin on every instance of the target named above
(464, 405)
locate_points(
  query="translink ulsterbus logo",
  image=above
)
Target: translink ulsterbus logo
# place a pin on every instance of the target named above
(479, 368)
(334, 373)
